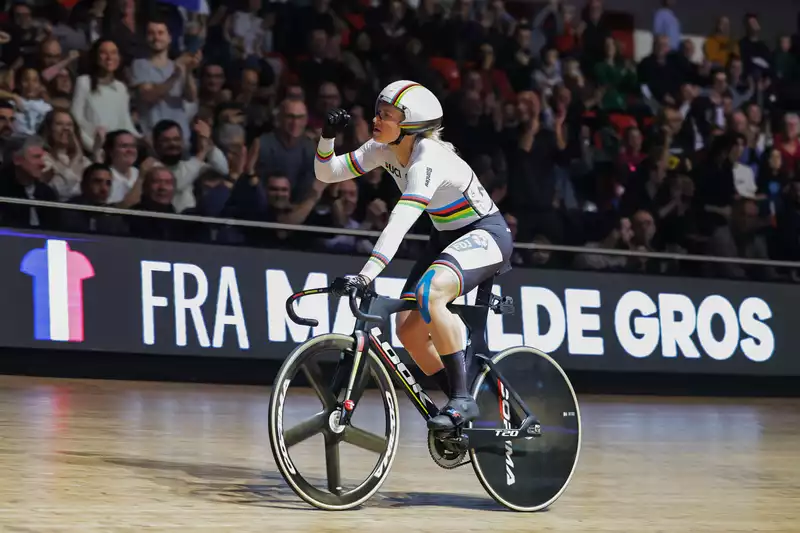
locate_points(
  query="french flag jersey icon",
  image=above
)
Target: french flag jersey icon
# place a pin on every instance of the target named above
(58, 275)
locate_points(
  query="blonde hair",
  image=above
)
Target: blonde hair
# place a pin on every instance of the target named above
(436, 135)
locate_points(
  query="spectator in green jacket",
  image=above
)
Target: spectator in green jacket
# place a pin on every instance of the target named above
(615, 76)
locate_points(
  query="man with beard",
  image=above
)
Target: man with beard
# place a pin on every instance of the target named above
(168, 142)
(163, 85)
(7, 118)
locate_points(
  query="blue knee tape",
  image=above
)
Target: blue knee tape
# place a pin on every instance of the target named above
(425, 285)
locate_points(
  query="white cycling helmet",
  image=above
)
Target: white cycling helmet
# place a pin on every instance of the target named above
(421, 108)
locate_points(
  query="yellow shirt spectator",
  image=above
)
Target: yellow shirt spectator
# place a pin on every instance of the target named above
(719, 46)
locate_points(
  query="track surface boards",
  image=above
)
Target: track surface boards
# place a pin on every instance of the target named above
(80, 455)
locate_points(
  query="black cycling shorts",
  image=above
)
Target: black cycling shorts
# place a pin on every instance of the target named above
(474, 253)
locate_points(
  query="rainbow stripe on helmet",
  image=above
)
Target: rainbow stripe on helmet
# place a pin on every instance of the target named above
(402, 92)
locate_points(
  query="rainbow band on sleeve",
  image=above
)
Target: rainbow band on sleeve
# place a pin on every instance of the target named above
(410, 295)
(454, 269)
(352, 163)
(324, 157)
(452, 212)
(379, 258)
(414, 200)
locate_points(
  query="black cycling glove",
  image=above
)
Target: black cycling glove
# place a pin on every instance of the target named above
(335, 123)
(342, 286)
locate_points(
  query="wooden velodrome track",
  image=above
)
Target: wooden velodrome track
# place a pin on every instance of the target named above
(86, 456)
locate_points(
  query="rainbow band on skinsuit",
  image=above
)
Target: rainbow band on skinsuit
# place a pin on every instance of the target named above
(379, 259)
(353, 165)
(324, 157)
(414, 200)
(441, 263)
(408, 296)
(456, 211)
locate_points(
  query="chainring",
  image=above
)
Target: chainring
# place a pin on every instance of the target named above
(442, 456)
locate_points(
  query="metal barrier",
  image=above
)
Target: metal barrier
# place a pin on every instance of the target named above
(410, 236)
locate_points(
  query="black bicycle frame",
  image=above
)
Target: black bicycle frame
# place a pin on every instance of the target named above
(379, 309)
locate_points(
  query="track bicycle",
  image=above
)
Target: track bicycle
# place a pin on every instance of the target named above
(524, 447)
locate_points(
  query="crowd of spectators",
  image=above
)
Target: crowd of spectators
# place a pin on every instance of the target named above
(151, 106)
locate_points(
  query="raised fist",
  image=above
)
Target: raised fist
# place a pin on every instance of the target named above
(337, 121)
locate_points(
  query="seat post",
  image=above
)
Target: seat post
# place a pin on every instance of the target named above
(475, 316)
(484, 295)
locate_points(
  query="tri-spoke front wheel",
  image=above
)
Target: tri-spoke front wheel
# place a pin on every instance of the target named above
(315, 377)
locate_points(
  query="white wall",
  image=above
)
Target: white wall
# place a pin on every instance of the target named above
(643, 44)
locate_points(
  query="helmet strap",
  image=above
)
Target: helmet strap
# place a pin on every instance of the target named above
(399, 139)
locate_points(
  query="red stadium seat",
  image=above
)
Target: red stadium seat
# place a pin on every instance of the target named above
(621, 122)
(624, 40)
(356, 20)
(449, 71)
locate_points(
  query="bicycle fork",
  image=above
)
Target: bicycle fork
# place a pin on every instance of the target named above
(348, 405)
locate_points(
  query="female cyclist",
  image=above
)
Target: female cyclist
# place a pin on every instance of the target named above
(469, 243)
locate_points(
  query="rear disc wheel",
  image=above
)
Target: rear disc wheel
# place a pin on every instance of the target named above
(530, 473)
